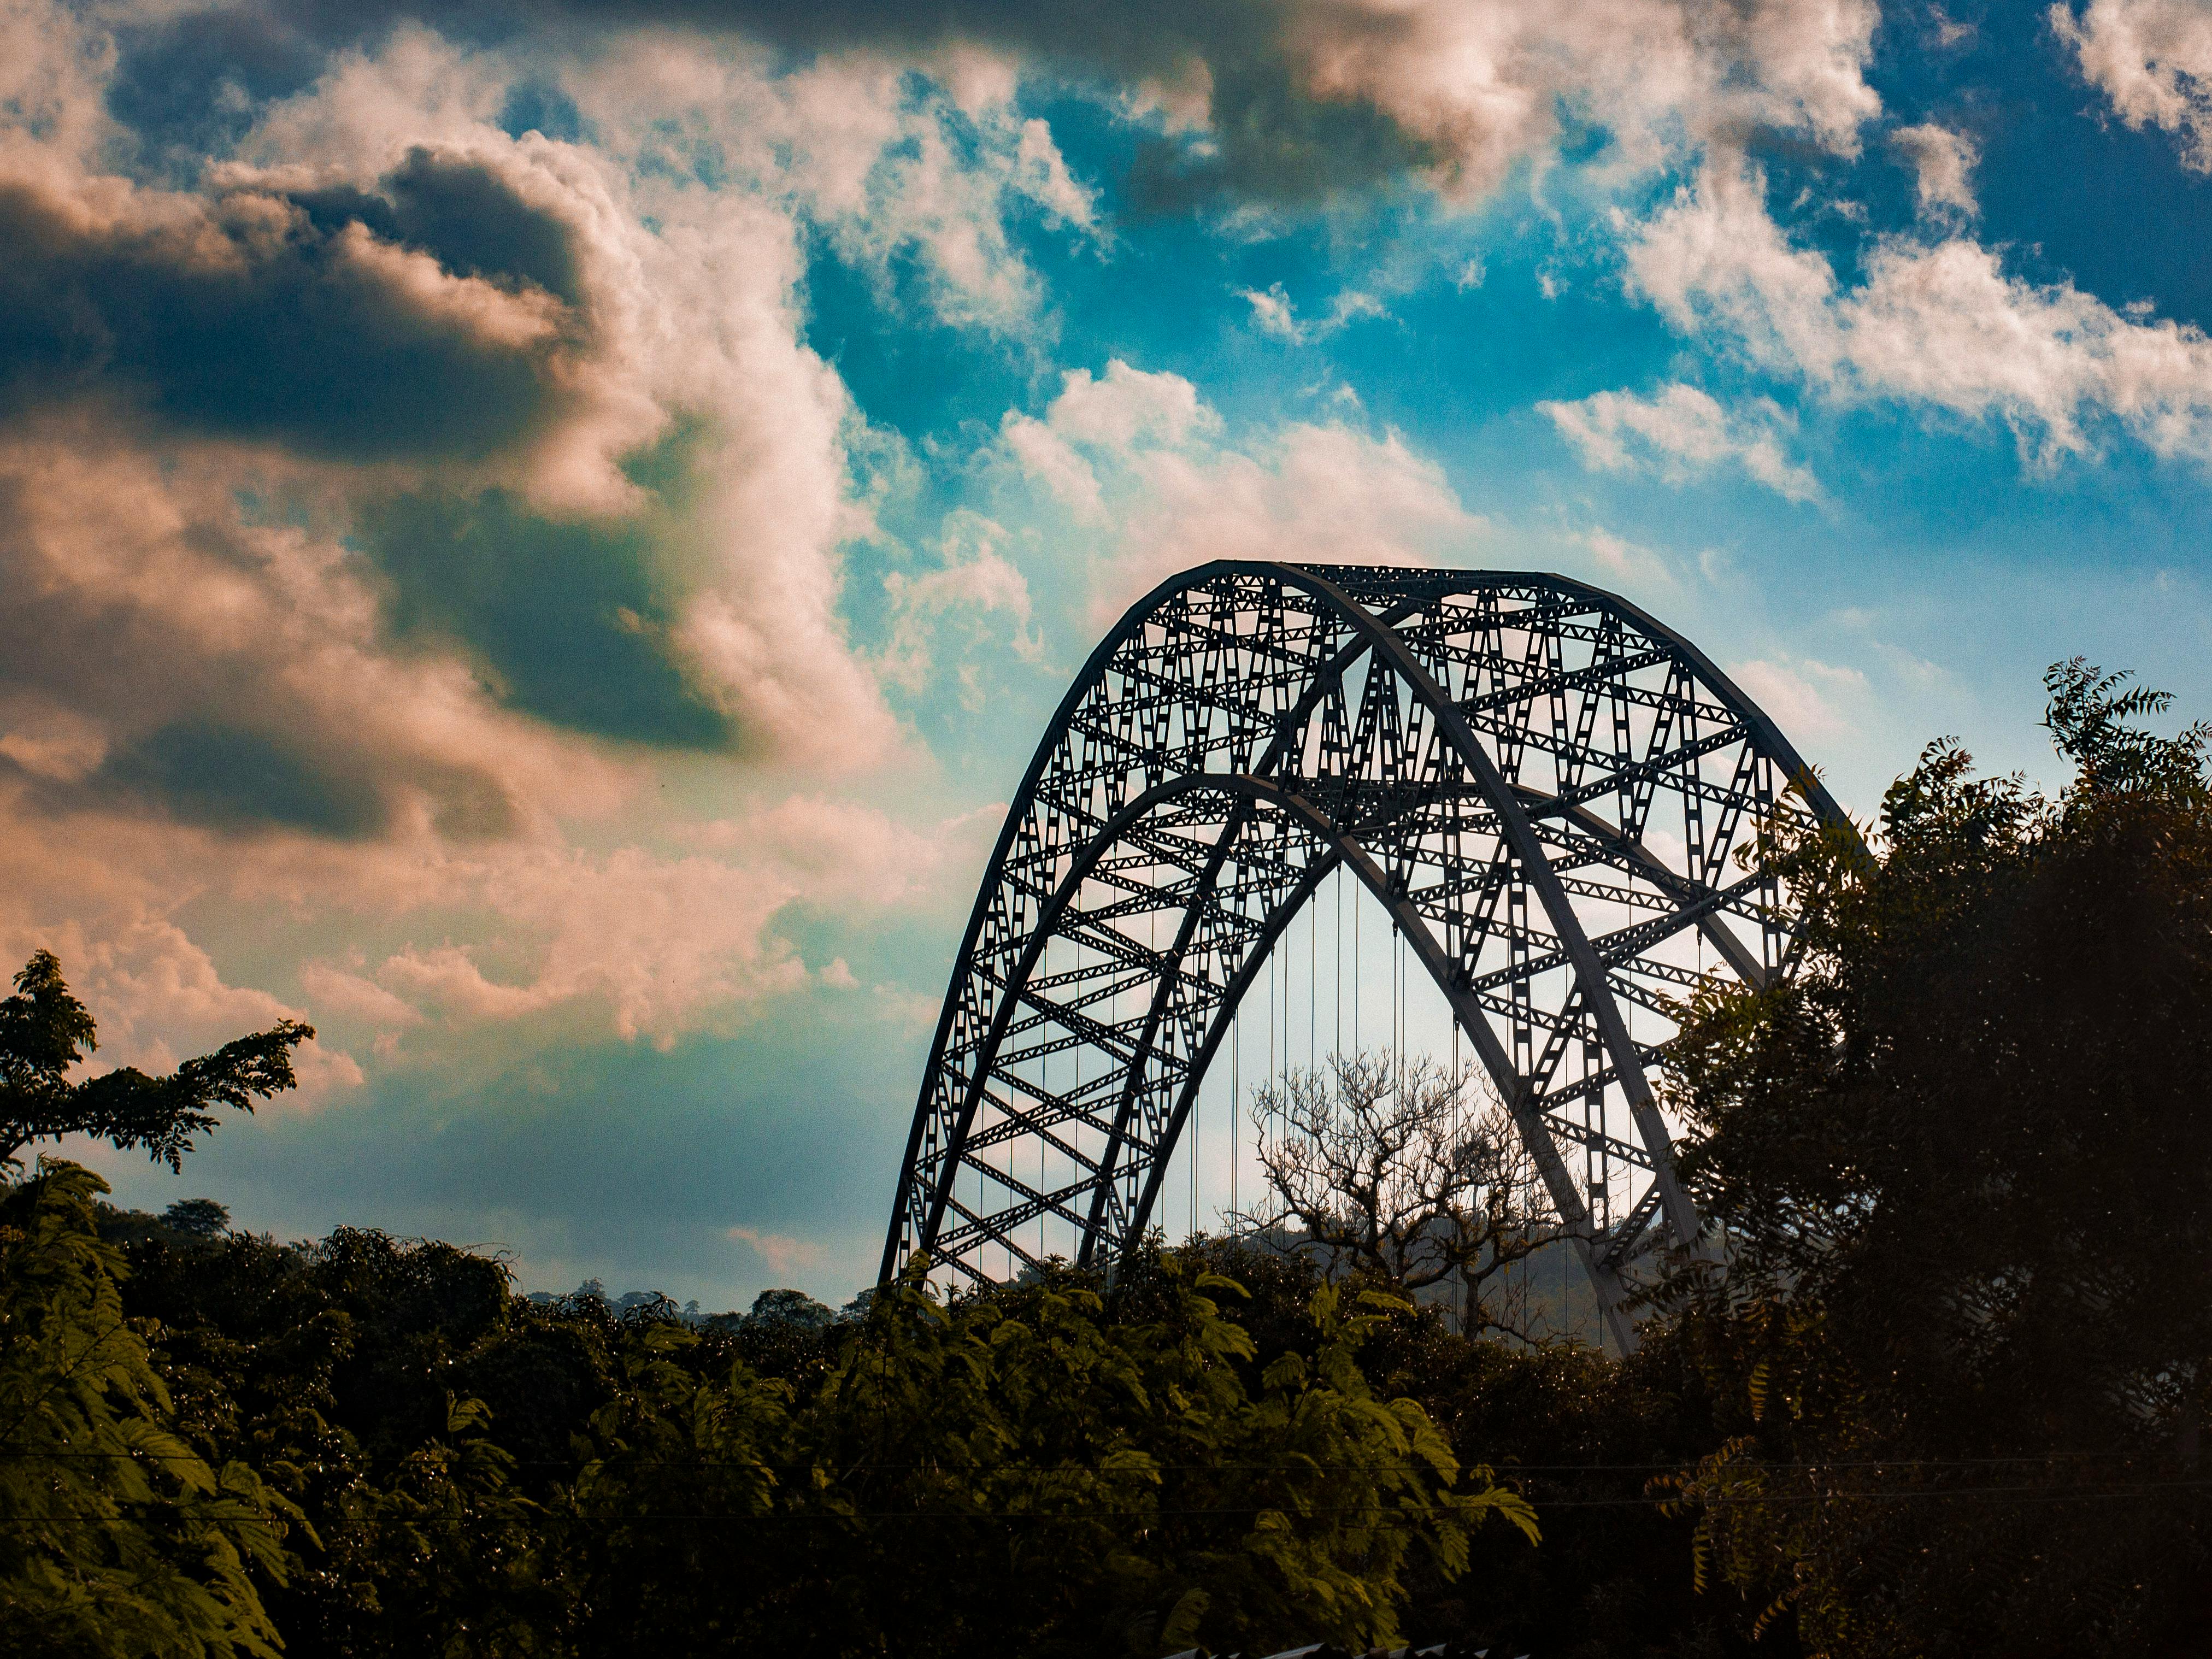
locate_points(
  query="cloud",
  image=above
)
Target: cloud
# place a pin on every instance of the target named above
(916, 181)
(1044, 455)
(977, 579)
(170, 651)
(1943, 164)
(158, 998)
(1118, 413)
(1682, 432)
(1631, 564)
(1802, 696)
(1272, 313)
(563, 617)
(1481, 88)
(1939, 326)
(1268, 101)
(2153, 59)
(849, 853)
(1126, 407)
(562, 405)
(238, 314)
(1946, 32)
(642, 945)
(391, 487)
(646, 946)
(339, 992)
(780, 1253)
(1141, 451)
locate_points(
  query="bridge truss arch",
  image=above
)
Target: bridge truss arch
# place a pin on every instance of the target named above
(1546, 790)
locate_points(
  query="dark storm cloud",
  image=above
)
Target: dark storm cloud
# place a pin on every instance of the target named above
(255, 317)
(199, 693)
(464, 215)
(561, 614)
(1273, 140)
(228, 778)
(291, 770)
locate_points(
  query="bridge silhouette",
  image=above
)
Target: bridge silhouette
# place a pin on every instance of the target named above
(1555, 798)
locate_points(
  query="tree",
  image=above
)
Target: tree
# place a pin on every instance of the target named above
(790, 1308)
(196, 1217)
(1964, 1165)
(1057, 1469)
(1062, 1466)
(120, 1538)
(44, 1032)
(1385, 1167)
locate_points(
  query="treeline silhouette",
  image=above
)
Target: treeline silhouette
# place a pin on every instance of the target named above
(1933, 1384)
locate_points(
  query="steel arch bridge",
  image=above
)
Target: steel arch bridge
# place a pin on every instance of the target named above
(1542, 786)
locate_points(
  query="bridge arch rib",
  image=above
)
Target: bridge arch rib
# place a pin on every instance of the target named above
(1543, 788)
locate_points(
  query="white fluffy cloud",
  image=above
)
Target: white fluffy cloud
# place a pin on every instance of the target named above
(1273, 314)
(1683, 432)
(976, 581)
(1808, 699)
(1939, 326)
(1943, 166)
(2153, 59)
(892, 170)
(1483, 88)
(1141, 451)
(646, 944)
(781, 1254)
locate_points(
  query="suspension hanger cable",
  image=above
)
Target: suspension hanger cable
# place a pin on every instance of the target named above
(1152, 948)
(1196, 1140)
(1397, 1027)
(1271, 1022)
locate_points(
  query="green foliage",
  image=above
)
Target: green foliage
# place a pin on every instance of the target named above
(200, 1217)
(116, 1538)
(1579, 1435)
(1061, 1467)
(1027, 1469)
(440, 1554)
(44, 1032)
(1964, 1164)
(2088, 717)
(1055, 1468)
(1064, 1466)
(791, 1309)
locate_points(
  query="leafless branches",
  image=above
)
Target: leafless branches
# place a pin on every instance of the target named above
(1403, 1172)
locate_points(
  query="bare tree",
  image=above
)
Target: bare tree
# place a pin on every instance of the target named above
(1404, 1172)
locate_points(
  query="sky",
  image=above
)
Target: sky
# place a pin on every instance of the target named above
(540, 538)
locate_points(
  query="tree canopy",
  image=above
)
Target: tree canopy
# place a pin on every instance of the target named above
(117, 1538)
(1964, 1165)
(45, 1032)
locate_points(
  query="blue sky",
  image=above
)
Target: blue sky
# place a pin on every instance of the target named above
(541, 539)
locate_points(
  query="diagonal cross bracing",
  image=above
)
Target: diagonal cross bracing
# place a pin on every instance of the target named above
(1550, 793)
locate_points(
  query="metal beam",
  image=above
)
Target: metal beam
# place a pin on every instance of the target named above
(1217, 729)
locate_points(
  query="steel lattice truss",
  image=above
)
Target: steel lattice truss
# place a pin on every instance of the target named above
(1544, 788)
